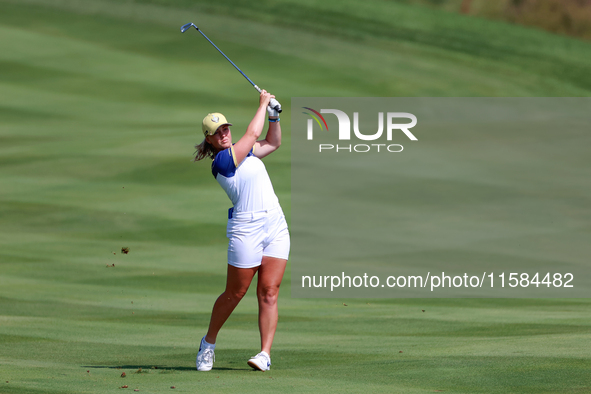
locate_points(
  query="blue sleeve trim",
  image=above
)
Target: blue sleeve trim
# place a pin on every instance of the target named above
(223, 163)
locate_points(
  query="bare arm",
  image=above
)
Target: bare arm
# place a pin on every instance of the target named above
(272, 140)
(254, 129)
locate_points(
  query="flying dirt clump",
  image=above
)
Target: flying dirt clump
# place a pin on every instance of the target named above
(125, 250)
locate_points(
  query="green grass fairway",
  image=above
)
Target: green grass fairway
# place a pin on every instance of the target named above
(100, 105)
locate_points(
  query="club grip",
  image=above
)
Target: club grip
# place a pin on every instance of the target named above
(275, 105)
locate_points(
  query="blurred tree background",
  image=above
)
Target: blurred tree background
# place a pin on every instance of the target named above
(569, 17)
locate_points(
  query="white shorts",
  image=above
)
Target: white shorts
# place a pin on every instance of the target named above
(256, 234)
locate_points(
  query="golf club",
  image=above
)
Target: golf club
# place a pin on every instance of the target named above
(273, 103)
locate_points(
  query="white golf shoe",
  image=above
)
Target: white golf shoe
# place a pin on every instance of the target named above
(261, 361)
(205, 358)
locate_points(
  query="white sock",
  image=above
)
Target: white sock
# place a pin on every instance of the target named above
(207, 344)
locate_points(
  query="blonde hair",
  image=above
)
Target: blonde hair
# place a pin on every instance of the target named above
(203, 150)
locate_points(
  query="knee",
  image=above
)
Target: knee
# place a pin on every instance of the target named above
(268, 295)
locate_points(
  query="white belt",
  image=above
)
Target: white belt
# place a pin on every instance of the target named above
(251, 215)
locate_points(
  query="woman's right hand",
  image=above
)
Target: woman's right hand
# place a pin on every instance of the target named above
(264, 98)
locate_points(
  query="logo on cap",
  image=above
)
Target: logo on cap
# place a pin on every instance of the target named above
(215, 119)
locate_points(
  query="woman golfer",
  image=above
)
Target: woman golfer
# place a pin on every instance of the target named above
(259, 239)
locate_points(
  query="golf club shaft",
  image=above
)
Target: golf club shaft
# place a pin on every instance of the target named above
(228, 59)
(273, 103)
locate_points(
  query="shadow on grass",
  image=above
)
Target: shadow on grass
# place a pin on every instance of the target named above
(147, 368)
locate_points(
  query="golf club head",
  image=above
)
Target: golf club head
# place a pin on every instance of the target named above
(186, 27)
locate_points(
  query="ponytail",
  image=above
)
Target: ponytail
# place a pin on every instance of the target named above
(203, 150)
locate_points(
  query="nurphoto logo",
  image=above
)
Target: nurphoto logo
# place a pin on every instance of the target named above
(344, 130)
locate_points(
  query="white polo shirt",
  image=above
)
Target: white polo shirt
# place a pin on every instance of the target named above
(247, 184)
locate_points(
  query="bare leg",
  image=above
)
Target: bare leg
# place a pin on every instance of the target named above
(270, 275)
(237, 284)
